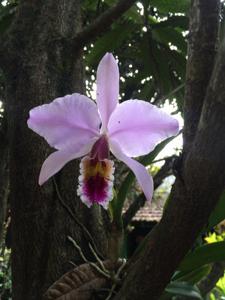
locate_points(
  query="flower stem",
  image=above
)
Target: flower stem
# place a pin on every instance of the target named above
(115, 242)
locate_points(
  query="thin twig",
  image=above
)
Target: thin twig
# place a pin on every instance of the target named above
(97, 258)
(62, 202)
(177, 89)
(73, 264)
(99, 270)
(121, 267)
(78, 248)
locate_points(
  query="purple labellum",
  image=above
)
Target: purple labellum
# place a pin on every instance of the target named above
(96, 181)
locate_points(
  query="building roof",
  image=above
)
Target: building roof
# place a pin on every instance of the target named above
(149, 212)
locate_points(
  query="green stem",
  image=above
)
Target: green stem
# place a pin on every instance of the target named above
(115, 242)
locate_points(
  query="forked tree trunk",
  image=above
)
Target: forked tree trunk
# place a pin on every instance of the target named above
(40, 66)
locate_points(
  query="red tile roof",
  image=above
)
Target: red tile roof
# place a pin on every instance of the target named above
(149, 212)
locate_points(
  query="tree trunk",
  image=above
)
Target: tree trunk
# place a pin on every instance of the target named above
(39, 67)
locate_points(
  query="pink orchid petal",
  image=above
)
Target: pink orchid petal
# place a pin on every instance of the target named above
(138, 126)
(107, 87)
(142, 175)
(57, 160)
(65, 121)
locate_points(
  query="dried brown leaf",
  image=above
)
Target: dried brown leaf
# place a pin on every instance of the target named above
(81, 283)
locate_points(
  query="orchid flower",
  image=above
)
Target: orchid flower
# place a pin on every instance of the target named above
(76, 127)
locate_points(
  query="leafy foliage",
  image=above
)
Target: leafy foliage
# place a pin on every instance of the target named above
(5, 274)
(218, 213)
(175, 6)
(203, 255)
(183, 289)
(145, 34)
(219, 291)
(6, 15)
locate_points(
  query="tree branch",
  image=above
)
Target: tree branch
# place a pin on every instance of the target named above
(102, 23)
(140, 200)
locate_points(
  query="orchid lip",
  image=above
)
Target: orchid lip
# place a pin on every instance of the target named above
(96, 181)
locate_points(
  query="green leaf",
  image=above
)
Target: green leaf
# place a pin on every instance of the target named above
(193, 276)
(218, 214)
(203, 255)
(178, 62)
(134, 15)
(118, 35)
(6, 16)
(170, 35)
(156, 63)
(174, 21)
(161, 62)
(89, 4)
(183, 289)
(173, 6)
(145, 51)
(147, 90)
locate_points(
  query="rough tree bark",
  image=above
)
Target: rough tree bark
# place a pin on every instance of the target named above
(41, 56)
(202, 47)
(39, 67)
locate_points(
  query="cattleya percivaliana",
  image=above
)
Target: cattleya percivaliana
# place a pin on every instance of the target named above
(77, 127)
